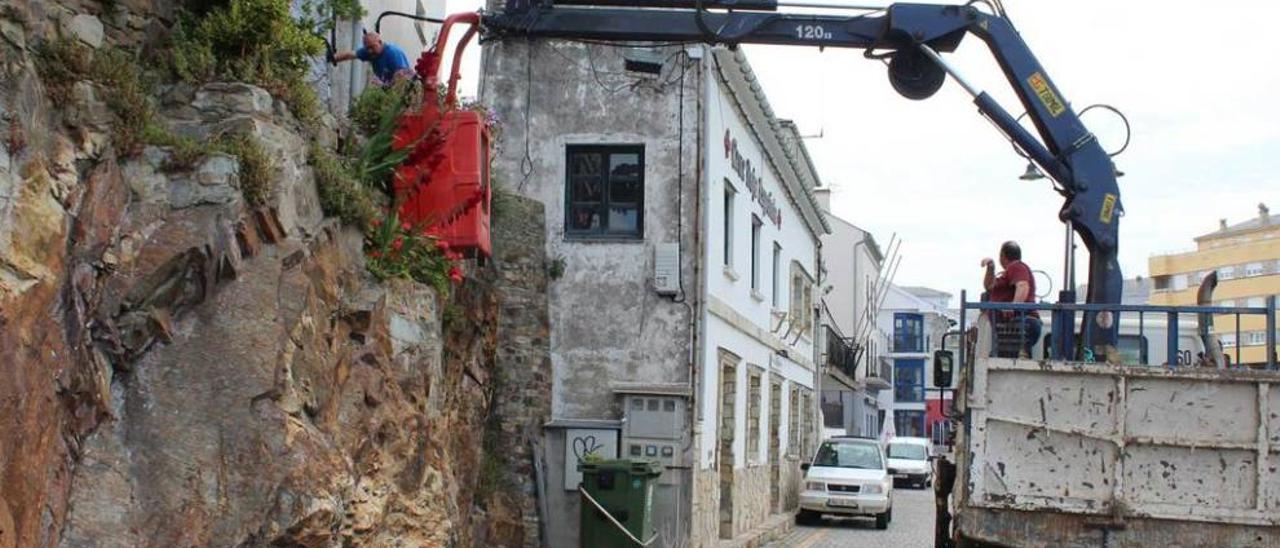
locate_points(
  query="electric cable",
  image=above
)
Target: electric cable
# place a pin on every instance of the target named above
(526, 163)
(680, 183)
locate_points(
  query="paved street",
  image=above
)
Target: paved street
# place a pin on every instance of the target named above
(912, 527)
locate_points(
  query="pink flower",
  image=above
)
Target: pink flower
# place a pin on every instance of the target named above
(375, 254)
(455, 274)
(397, 244)
(405, 226)
(442, 245)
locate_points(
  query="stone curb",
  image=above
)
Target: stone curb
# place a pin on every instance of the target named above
(777, 526)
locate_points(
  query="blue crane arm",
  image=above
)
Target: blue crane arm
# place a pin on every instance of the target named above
(1062, 146)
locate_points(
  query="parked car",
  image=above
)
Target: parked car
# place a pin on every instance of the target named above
(911, 461)
(847, 477)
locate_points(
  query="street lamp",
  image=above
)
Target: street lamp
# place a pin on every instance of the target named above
(1032, 173)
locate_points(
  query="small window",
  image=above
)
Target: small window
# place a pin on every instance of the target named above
(755, 252)
(1254, 338)
(1256, 302)
(1253, 269)
(605, 194)
(1161, 282)
(1227, 303)
(1228, 340)
(1226, 273)
(777, 273)
(729, 195)
(801, 305)
(1179, 282)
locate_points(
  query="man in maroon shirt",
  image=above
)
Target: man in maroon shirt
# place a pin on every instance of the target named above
(1015, 284)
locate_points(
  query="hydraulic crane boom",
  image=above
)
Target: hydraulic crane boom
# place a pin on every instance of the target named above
(911, 36)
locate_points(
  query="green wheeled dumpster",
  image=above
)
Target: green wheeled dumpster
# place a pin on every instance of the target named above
(617, 503)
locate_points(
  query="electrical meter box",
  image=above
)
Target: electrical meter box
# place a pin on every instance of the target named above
(655, 428)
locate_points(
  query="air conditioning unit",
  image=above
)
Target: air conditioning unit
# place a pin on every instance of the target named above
(666, 269)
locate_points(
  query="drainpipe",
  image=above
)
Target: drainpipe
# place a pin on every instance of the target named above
(356, 41)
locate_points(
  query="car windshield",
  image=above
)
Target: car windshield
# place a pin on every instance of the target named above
(909, 451)
(848, 455)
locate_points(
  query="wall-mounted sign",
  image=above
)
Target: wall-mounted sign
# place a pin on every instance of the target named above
(751, 179)
(580, 442)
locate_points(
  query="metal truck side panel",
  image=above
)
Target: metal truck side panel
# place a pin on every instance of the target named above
(1094, 444)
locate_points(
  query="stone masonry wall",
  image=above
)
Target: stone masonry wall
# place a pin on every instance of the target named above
(522, 399)
(750, 497)
(706, 508)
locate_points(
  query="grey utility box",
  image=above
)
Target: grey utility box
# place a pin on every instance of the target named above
(654, 429)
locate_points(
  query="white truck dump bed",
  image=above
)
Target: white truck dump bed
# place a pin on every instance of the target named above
(1068, 454)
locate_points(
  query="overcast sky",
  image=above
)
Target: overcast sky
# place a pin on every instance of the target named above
(1198, 84)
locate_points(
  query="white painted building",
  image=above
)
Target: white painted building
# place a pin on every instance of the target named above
(851, 380)
(763, 229)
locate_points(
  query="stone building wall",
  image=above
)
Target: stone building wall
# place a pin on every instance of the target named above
(790, 476)
(522, 379)
(750, 497)
(706, 508)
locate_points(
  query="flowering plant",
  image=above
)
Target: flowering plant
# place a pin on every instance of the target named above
(492, 121)
(396, 249)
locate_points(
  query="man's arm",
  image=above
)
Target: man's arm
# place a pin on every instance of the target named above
(343, 56)
(989, 279)
(1020, 291)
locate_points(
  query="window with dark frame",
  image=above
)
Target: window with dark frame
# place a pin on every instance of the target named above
(755, 252)
(729, 194)
(605, 191)
(908, 332)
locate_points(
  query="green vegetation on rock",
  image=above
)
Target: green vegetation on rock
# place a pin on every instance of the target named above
(341, 195)
(253, 41)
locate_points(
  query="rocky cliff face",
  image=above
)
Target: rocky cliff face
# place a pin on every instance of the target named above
(180, 368)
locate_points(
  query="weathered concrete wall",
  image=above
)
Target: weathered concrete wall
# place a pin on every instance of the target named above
(607, 324)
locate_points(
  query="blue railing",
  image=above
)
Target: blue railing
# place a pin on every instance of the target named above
(1172, 314)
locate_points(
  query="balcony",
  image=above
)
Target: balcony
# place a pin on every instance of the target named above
(878, 378)
(841, 356)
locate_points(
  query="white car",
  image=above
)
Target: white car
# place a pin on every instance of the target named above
(910, 461)
(847, 477)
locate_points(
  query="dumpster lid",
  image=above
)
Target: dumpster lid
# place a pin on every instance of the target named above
(635, 467)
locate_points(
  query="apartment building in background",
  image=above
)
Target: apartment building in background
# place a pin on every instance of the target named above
(917, 318)
(1246, 256)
